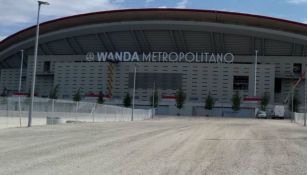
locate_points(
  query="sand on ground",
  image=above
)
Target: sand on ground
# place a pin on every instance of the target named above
(170, 146)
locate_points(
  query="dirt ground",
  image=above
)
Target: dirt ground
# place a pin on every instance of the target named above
(163, 146)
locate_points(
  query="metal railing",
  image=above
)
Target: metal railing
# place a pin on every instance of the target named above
(14, 112)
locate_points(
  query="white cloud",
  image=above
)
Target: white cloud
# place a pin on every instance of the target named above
(149, 1)
(2, 37)
(24, 11)
(16, 15)
(73, 7)
(297, 1)
(162, 7)
(182, 4)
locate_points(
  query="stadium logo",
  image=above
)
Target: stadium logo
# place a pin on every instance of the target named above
(189, 57)
(90, 56)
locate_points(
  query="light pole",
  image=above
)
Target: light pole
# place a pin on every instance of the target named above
(19, 86)
(133, 93)
(34, 62)
(305, 98)
(20, 73)
(255, 85)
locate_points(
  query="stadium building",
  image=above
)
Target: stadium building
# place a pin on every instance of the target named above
(200, 51)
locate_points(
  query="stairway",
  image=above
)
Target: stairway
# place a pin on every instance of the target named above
(293, 88)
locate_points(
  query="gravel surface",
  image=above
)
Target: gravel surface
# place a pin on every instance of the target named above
(165, 146)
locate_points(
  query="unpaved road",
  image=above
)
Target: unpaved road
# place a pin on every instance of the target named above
(165, 146)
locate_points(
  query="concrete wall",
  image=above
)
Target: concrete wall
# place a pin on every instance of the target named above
(10, 79)
(71, 72)
(299, 118)
(88, 76)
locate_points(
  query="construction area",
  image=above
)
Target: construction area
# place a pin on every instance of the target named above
(160, 146)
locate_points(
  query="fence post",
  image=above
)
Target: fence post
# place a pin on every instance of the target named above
(7, 110)
(93, 112)
(19, 108)
(52, 111)
(77, 106)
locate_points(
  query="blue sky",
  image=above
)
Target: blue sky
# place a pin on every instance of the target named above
(16, 15)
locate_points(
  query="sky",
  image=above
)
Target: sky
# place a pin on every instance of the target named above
(16, 15)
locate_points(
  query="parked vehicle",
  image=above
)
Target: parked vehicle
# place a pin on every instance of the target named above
(279, 112)
(262, 114)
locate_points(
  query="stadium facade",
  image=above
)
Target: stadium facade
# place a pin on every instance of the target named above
(200, 51)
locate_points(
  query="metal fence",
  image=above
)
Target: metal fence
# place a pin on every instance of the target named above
(14, 112)
(299, 118)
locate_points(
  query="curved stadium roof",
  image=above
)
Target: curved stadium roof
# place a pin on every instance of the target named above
(145, 30)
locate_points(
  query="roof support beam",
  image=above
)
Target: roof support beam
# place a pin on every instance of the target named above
(1, 66)
(263, 47)
(184, 41)
(145, 40)
(109, 42)
(25, 58)
(78, 45)
(6, 64)
(136, 40)
(101, 42)
(253, 45)
(223, 43)
(292, 49)
(173, 40)
(213, 42)
(47, 48)
(71, 47)
(42, 49)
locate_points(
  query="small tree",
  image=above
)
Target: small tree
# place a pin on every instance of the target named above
(209, 102)
(29, 92)
(127, 100)
(4, 92)
(77, 96)
(180, 98)
(296, 103)
(156, 98)
(35, 92)
(264, 101)
(236, 101)
(100, 98)
(54, 92)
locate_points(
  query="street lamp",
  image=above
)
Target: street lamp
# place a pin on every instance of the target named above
(305, 95)
(133, 94)
(34, 62)
(19, 86)
(20, 72)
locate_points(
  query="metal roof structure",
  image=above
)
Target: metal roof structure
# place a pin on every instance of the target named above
(146, 30)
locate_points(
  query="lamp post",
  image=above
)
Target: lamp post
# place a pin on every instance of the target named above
(34, 62)
(255, 85)
(305, 96)
(19, 87)
(20, 73)
(133, 93)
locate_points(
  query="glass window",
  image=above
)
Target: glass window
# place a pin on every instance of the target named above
(47, 66)
(240, 83)
(297, 68)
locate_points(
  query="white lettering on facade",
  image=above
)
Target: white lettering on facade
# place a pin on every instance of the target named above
(190, 57)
